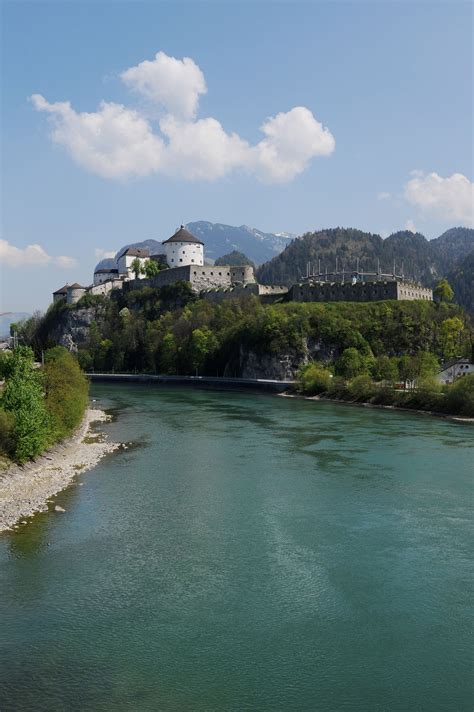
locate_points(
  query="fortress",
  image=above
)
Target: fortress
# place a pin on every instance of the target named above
(182, 259)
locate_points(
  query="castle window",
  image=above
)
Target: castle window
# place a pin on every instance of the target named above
(220, 274)
(212, 274)
(192, 260)
(228, 274)
(194, 272)
(180, 259)
(172, 260)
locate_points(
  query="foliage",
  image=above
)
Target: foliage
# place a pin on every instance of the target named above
(136, 267)
(460, 396)
(66, 391)
(443, 291)
(314, 378)
(39, 405)
(451, 333)
(351, 363)
(150, 269)
(22, 396)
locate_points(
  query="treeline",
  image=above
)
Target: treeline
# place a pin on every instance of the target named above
(170, 331)
(39, 405)
(350, 381)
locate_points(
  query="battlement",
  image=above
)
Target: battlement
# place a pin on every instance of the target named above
(319, 291)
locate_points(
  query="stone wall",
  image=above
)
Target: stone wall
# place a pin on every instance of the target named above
(359, 292)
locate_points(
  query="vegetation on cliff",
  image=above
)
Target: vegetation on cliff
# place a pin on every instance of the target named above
(171, 331)
(39, 405)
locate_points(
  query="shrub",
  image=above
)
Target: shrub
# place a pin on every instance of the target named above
(361, 388)
(460, 396)
(66, 391)
(313, 379)
(7, 442)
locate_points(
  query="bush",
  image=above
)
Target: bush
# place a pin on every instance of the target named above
(7, 442)
(460, 396)
(361, 388)
(314, 379)
(66, 391)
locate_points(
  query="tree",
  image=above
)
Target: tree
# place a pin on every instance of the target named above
(314, 378)
(385, 369)
(150, 269)
(202, 343)
(66, 391)
(351, 363)
(136, 267)
(443, 291)
(168, 355)
(451, 332)
(23, 397)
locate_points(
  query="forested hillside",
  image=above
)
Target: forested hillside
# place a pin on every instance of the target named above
(423, 260)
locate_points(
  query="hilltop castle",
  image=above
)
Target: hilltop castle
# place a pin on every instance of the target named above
(182, 259)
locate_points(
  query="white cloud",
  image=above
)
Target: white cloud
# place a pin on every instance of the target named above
(450, 199)
(410, 225)
(113, 142)
(383, 195)
(118, 142)
(101, 254)
(31, 255)
(174, 84)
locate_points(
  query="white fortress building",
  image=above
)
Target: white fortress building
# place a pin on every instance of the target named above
(183, 249)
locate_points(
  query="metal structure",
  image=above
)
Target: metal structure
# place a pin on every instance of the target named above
(353, 276)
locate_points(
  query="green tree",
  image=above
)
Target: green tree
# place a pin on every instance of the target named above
(202, 343)
(137, 268)
(168, 355)
(23, 397)
(443, 291)
(385, 369)
(150, 269)
(451, 332)
(351, 363)
(314, 378)
(66, 391)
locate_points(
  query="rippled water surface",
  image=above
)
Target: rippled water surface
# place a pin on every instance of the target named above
(248, 552)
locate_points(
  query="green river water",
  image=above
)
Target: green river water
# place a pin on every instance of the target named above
(248, 552)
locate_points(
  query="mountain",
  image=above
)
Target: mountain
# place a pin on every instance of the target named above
(422, 260)
(257, 245)
(461, 278)
(7, 318)
(454, 244)
(234, 258)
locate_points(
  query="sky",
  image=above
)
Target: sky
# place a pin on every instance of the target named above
(122, 120)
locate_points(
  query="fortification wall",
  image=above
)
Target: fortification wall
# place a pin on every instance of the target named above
(359, 292)
(106, 287)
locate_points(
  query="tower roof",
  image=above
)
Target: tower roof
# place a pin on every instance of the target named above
(183, 235)
(136, 252)
(63, 290)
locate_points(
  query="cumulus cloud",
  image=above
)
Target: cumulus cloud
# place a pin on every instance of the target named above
(120, 142)
(450, 199)
(174, 84)
(31, 255)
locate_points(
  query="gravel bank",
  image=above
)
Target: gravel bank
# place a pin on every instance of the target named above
(26, 489)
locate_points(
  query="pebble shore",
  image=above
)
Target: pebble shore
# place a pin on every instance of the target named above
(26, 489)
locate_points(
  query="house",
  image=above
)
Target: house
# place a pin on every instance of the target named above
(454, 369)
(60, 294)
(124, 262)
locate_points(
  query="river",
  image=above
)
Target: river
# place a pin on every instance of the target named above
(248, 552)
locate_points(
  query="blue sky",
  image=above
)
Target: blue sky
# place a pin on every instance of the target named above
(391, 82)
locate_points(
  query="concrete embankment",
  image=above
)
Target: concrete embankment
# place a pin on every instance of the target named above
(212, 382)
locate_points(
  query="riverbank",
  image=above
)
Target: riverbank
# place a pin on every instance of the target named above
(418, 411)
(27, 489)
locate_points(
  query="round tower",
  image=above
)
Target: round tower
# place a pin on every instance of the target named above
(183, 248)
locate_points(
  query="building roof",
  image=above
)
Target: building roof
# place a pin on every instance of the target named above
(75, 286)
(136, 252)
(63, 290)
(453, 362)
(183, 235)
(106, 270)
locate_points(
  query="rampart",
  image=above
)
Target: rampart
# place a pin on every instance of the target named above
(358, 292)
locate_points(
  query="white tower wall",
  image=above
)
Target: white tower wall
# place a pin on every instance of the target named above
(180, 254)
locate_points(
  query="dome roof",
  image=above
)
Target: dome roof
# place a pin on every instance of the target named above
(183, 235)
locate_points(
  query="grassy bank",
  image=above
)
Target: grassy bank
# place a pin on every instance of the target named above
(455, 399)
